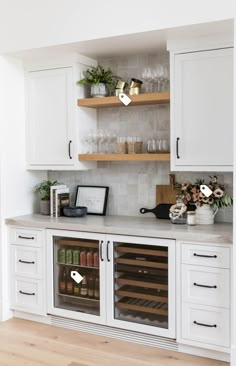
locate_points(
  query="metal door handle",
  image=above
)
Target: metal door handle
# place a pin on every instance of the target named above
(204, 256)
(205, 325)
(26, 237)
(27, 293)
(26, 262)
(108, 259)
(100, 249)
(177, 147)
(69, 149)
(197, 284)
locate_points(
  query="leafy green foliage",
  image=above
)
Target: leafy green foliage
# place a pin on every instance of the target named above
(98, 74)
(43, 189)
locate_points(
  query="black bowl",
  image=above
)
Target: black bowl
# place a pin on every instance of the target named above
(74, 211)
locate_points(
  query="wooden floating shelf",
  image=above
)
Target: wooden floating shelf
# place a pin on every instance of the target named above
(124, 157)
(140, 99)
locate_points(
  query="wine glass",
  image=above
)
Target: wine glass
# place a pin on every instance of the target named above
(148, 78)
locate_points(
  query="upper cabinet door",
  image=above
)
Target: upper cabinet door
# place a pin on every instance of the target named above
(202, 110)
(50, 118)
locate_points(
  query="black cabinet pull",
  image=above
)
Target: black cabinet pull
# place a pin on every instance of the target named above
(177, 147)
(101, 245)
(26, 262)
(108, 259)
(204, 256)
(206, 286)
(205, 325)
(69, 149)
(27, 293)
(26, 237)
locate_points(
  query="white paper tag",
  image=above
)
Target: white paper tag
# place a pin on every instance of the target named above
(124, 99)
(76, 276)
(205, 190)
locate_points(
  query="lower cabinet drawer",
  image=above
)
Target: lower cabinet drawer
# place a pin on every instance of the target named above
(26, 261)
(28, 295)
(205, 285)
(205, 324)
(29, 237)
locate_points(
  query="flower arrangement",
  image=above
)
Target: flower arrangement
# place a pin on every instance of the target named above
(95, 75)
(192, 194)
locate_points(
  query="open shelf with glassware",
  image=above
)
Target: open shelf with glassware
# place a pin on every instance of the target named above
(125, 157)
(136, 100)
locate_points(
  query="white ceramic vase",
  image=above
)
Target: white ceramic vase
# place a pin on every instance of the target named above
(205, 215)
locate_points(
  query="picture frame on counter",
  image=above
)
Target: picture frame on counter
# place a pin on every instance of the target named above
(93, 197)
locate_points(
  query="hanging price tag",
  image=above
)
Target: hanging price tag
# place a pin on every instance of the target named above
(124, 99)
(205, 190)
(76, 276)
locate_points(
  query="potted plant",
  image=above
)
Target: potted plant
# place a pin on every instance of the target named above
(206, 206)
(43, 190)
(100, 79)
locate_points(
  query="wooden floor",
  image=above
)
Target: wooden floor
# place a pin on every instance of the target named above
(25, 343)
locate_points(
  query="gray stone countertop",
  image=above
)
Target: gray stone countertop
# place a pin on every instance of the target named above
(128, 225)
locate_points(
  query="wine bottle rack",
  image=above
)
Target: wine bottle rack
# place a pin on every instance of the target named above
(141, 283)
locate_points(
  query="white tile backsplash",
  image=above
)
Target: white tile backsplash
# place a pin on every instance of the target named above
(133, 184)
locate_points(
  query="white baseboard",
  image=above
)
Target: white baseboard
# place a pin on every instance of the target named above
(215, 355)
(32, 317)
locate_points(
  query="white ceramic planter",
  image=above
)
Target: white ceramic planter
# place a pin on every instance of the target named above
(99, 90)
(205, 215)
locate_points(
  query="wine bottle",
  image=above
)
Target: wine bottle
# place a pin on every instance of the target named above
(84, 287)
(69, 284)
(91, 286)
(96, 288)
(62, 281)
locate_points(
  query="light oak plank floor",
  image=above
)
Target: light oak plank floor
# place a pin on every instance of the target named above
(25, 343)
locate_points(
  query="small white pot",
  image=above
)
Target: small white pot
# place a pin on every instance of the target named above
(205, 215)
(99, 90)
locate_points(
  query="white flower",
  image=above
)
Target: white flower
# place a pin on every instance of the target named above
(218, 193)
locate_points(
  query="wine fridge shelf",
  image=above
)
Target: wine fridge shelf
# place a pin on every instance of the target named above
(158, 284)
(77, 265)
(123, 304)
(144, 263)
(135, 250)
(77, 243)
(138, 295)
(78, 297)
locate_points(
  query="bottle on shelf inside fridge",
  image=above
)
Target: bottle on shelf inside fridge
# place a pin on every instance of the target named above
(76, 256)
(96, 288)
(95, 259)
(90, 258)
(91, 286)
(84, 287)
(69, 257)
(83, 258)
(69, 283)
(62, 281)
(61, 255)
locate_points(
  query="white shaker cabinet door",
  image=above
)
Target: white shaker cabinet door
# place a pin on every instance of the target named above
(202, 110)
(50, 117)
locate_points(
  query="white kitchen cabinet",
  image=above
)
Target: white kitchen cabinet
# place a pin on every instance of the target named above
(202, 110)
(136, 276)
(27, 266)
(54, 123)
(203, 287)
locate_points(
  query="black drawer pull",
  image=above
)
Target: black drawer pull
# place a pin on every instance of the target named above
(26, 262)
(101, 245)
(206, 286)
(108, 259)
(204, 256)
(69, 149)
(26, 237)
(205, 325)
(27, 293)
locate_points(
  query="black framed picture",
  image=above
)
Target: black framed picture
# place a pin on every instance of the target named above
(93, 197)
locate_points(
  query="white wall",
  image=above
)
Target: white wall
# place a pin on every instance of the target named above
(16, 184)
(29, 24)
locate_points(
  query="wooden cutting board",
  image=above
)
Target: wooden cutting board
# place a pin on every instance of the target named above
(167, 193)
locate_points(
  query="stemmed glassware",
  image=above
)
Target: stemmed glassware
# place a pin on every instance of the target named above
(101, 141)
(155, 78)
